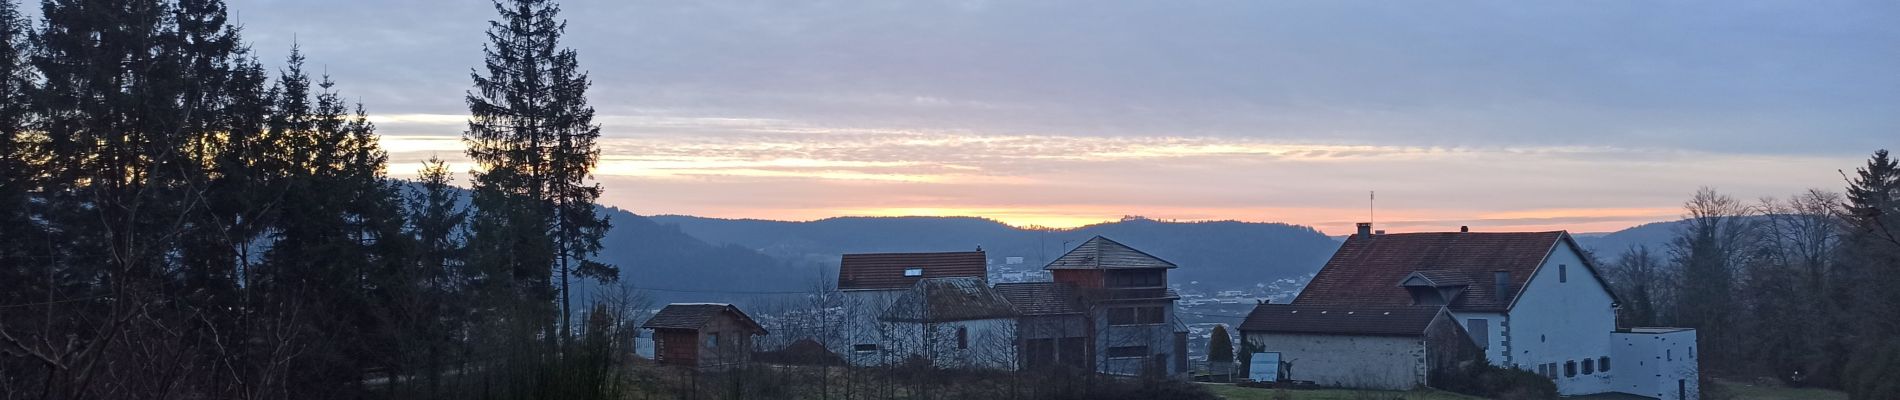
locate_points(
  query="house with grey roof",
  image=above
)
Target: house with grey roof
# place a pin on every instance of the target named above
(868, 283)
(702, 335)
(1129, 309)
(952, 323)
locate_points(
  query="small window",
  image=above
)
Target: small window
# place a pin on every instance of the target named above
(1543, 370)
(864, 348)
(1669, 354)
(1603, 364)
(1563, 273)
(1480, 330)
(712, 340)
(963, 338)
(913, 272)
(1128, 352)
(1553, 370)
(1570, 368)
(1589, 366)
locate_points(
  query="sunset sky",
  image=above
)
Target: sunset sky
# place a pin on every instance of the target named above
(1502, 115)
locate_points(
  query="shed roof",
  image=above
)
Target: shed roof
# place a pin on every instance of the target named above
(884, 271)
(1367, 269)
(1042, 298)
(947, 300)
(695, 315)
(1101, 253)
(1335, 320)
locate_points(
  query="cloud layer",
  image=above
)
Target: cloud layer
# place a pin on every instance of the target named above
(1582, 116)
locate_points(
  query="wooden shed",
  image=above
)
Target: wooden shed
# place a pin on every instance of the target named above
(702, 335)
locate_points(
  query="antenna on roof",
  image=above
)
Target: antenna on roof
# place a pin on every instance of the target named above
(1371, 215)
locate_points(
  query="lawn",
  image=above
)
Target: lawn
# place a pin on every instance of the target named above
(1742, 391)
(1232, 392)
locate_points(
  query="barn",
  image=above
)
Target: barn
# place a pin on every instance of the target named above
(702, 335)
(1394, 348)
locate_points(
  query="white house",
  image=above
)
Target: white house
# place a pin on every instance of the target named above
(952, 323)
(870, 282)
(1530, 300)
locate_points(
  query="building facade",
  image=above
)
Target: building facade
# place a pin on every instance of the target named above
(702, 335)
(1129, 310)
(1530, 300)
(1390, 348)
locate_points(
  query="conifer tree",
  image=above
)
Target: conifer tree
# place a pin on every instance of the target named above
(16, 180)
(1220, 348)
(533, 134)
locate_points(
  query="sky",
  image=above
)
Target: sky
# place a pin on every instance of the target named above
(1586, 116)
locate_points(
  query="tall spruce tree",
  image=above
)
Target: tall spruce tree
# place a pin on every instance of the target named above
(1872, 251)
(16, 178)
(533, 135)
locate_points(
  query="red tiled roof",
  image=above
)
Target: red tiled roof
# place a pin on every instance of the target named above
(1367, 269)
(1340, 320)
(886, 270)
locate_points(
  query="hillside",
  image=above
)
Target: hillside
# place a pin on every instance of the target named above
(1218, 253)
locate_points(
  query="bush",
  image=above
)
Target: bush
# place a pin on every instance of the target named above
(1870, 373)
(1480, 378)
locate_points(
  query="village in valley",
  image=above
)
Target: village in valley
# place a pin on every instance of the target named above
(948, 200)
(1387, 312)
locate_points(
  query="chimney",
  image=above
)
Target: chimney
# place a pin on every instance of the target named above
(1464, 229)
(1365, 229)
(1379, 232)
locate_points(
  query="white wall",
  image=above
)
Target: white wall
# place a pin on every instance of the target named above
(991, 344)
(1372, 362)
(1557, 321)
(1494, 351)
(1651, 364)
(862, 308)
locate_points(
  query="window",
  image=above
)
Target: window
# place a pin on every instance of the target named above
(1128, 352)
(1589, 366)
(712, 340)
(1570, 368)
(864, 348)
(1543, 369)
(1122, 279)
(1552, 370)
(913, 272)
(1480, 330)
(1563, 273)
(1136, 315)
(963, 338)
(1603, 364)
(1669, 354)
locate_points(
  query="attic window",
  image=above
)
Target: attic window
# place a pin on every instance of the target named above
(1563, 273)
(913, 272)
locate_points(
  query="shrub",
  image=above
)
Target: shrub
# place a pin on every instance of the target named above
(1480, 378)
(1870, 373)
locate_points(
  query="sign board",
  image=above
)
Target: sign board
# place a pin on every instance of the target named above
(1264, 368)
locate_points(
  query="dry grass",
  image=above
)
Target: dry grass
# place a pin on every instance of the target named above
(1744, 391)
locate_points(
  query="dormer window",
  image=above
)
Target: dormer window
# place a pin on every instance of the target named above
(913, 272)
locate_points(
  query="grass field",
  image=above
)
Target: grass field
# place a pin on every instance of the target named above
(1231, 392)
(1742, 391)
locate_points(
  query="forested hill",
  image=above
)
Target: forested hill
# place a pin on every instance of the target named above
(1220, 252)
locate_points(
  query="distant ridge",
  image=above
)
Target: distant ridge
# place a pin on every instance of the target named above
(1217, 253)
